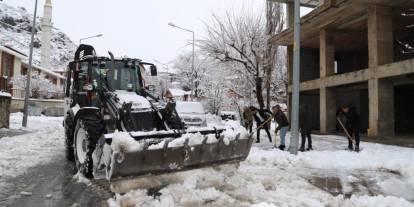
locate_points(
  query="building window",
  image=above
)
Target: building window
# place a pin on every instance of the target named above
(6, 70)
(24, 70)
(7, 65)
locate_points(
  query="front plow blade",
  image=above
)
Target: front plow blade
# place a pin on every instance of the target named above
(171, 159)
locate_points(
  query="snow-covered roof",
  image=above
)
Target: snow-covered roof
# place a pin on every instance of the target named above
(178, 92)
(23, 57)
(13, 52)
(228, 112)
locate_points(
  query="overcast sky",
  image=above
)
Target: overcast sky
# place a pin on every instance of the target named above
(137, 28)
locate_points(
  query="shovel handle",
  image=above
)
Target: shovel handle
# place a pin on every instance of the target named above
(346, 131)
(260, 126)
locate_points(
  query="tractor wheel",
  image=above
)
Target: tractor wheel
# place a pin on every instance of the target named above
(69, 139)
(87, 132)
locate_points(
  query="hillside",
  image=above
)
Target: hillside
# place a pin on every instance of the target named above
(18, 36)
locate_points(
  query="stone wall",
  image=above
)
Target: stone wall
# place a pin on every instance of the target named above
(50, 107)
(4, 111)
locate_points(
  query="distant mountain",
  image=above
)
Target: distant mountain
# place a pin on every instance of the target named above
(18, 36)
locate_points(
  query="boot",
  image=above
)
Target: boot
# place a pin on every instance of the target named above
(350, 148)
(258, 141)
(309, 148)
(302, 149)
(282, 147)
(356, 148)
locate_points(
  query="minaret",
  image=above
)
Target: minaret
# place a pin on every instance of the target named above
(47, 27)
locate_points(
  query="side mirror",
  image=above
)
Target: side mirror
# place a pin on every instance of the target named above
(153, 69)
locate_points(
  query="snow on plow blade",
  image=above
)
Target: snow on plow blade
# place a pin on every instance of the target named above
(168, 159)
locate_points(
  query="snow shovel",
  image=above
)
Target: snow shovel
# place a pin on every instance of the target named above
(346, 131)
(261, 126)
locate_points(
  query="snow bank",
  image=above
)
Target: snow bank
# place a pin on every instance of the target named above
(377, 201)
(272, 177)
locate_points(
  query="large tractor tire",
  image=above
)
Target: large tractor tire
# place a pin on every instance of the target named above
(87, 133)
(69, 128)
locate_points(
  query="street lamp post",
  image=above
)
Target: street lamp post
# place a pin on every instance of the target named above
(98, 35)
(29, 70)
(192, 64)
(296, 81)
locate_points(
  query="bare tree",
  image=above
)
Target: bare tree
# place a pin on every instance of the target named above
(274, 25)
(239, 39)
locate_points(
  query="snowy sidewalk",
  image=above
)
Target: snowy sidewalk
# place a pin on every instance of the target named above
(35, 145)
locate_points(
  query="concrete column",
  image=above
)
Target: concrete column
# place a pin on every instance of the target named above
(327, 110)
(289, 106)
(327, 68)
(290, 13)
(327, 53)
(381, 51)
(289, 53)
(380, 35)
(289, 63)
(381, 107)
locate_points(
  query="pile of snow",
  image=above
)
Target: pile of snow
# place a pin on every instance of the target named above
(123, 142)
(62, 48)
(272, 177)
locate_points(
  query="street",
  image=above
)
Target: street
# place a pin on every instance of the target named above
(269, 177)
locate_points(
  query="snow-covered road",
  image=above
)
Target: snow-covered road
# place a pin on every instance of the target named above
(380, 175)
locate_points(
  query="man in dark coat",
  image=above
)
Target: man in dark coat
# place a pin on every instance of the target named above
(352, 125)
(261, 116)
(282, 125)
(305, 124)
(248, 119)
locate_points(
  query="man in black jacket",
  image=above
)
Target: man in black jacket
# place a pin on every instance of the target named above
(261, 116)
(352, 125)
(305, 124)
(282, 125)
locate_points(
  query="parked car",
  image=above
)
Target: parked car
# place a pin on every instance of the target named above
(228, 115)
(192, 113)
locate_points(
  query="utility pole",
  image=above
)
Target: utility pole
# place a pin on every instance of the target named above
(294, 140)
(29, 70)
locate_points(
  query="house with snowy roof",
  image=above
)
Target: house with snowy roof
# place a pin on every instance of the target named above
(178, 94)
(14, 63)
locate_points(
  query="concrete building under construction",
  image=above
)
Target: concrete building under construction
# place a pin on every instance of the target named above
(358, 52)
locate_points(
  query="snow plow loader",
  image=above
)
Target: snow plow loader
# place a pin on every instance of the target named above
(115, 128)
